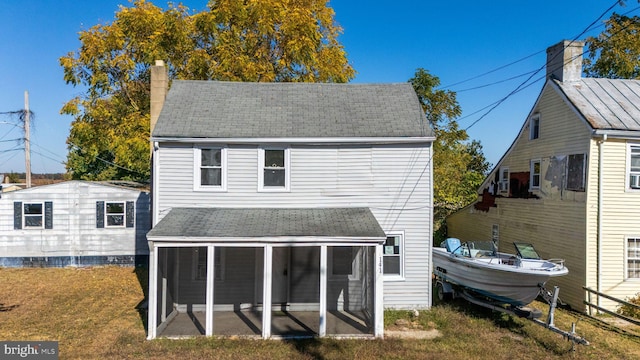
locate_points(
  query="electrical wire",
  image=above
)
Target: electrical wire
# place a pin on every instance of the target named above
(522, 85)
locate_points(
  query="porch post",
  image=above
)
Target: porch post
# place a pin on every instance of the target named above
(153, 292)
(378, 316)
(210, 285)
(266, 291)
(323, 291)
(163, 303)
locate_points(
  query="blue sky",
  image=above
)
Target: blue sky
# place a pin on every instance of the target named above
(385, 42)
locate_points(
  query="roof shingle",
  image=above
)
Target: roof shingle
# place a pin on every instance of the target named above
(217, 109)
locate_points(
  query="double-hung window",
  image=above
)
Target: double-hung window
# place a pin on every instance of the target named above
(274, 169)
(534, 127)
(534, 175)
(393, 256)
(200, 263)
(503, 181)
(634, 167)
(633, 258)
(33, 215)
(114, 214)
(210, 168)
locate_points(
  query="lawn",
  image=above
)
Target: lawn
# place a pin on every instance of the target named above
(93, 314)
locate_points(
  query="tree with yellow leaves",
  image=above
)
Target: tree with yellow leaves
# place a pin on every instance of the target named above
(235, 40)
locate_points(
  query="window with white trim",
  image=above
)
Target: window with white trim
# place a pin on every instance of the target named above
(33, 215)
(633, 258)
(534, 127)
(210, 168)
(274, 169)
(576, 166)
(393, 256)
(534, 175)
(114, 214)
(503, 183)
(200, 263)
(633, 169)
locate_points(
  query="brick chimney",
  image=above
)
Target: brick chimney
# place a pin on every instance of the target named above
(159, 87)
(564, 60)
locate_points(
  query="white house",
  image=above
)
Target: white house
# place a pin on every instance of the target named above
(287, 209)
(75, 223)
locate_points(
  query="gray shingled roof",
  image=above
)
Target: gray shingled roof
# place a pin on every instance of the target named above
(215, 109)
(220, 223)
(607, 104)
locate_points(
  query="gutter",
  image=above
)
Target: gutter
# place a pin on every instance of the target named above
(617, 134)
(599, 235)
(300, 140)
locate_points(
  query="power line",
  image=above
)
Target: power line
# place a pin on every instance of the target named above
(522, 85)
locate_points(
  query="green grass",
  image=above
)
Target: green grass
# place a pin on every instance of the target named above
(93, 314)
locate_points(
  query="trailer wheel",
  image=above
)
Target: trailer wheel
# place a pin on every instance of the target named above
(442, 295)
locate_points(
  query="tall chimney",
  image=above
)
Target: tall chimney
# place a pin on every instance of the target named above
(564, 60)
(159, 86)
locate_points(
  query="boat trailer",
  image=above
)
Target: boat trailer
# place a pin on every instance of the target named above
(446, 290)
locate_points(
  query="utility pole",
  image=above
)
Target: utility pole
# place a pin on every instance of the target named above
(27, 142)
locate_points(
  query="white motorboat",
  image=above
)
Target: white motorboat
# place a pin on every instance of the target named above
(514, 279)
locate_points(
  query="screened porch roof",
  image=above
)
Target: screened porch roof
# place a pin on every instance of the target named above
(299, 225)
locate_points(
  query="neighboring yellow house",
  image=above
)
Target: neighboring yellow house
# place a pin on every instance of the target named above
(570, 183)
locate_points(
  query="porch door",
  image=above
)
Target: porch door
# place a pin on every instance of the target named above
(280, 272)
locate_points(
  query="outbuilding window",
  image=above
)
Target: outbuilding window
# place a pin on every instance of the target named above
(33, 215)
(115, 214)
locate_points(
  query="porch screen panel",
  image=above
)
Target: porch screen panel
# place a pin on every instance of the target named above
(350, 293)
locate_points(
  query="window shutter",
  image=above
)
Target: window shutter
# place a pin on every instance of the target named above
(48, 215)
(99, 214)
(130, 214)
(17, 215)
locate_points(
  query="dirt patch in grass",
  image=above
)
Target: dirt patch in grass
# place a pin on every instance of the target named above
(93, 314)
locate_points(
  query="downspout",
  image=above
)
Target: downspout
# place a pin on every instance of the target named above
(599, 240)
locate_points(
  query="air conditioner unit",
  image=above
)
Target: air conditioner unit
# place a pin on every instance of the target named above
(634, 181)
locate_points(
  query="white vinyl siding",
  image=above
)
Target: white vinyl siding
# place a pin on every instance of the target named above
(399, 196)
(73, 212)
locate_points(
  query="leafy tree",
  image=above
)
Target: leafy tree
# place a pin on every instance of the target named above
(235, 40)
(459, 166)
(615, 53)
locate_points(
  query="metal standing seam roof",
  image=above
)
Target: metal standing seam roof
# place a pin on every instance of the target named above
(219, 109)
(221, 223)
(607, 104)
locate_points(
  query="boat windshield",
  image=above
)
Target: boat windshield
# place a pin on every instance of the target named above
(487, 247)
(526, 251)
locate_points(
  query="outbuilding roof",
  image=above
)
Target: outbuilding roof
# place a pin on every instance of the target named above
(606, 104)
(218, 109)
(212, 224)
